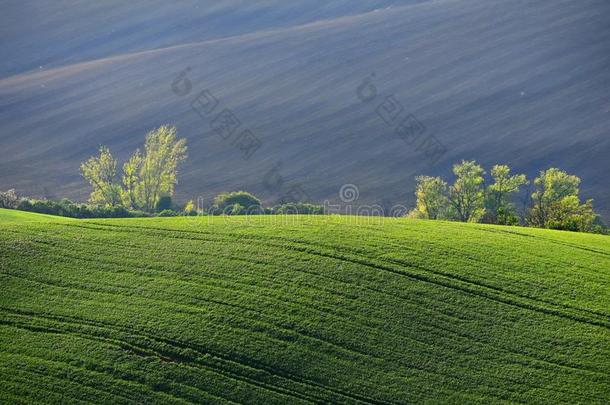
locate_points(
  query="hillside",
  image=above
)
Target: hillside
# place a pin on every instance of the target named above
(14, 216)
(520, 82)
(301, 310)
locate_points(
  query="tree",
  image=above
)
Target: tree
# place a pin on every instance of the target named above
(431, 198)
(145, 177)
(550, 187)
(498, 206)
(9, 199)
(158, 169)
(101, 174)
(556, 203)
(570, 215)
(467, 195)
(131, 181)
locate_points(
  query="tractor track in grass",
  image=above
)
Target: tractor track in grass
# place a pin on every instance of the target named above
(478, 342)
(229, 309)
(98, 373)
(167, 358)
(339, 345)
(177, 358)
(549, 240)
(399, 297)
(410, 365)
(127, 384)
(147, 352)
(200, 351)
(64, 381)
(558, 364)
(470, 287)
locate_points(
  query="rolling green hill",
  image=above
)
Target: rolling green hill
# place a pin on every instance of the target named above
(14, 216)
(300, 310)
(519, 82)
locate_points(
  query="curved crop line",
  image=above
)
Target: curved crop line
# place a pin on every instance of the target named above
(203, 352)
(175, 358)
(66, 364)
(513, 352)
(580, 318)
(166, 231)
(559, 364)
(264, 318)
(526, 355)
(546, 239)
(40, 388)
(114, 328)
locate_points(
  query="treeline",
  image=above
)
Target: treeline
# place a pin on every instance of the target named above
(234, 203)
(554, 201)
(65, 208)
(146, 185)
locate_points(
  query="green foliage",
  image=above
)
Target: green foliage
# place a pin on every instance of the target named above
(431, 198)
(298, 208)
(168, 213)
(25, 205)
(132, 186)
(67, 208)
(498, 206)
(467, 194)
(224, 203)
(189, 208)
(164, 203)
(101, 174)
(158, 171)
(146, 178)
(556, 203)
(326, 309)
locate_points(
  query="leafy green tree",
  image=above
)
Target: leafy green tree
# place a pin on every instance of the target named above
(431, 198)
(467, 195)
(158, 171)
(556, 203)
(498, 206)
(131, 192)
(101, 173)
(146, 178)
(550, 187)
(570, 215)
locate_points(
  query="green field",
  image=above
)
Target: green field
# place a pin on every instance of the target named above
(300, 310)
(8, 216)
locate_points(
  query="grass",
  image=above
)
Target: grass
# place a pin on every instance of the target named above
(12, 216)
(300, 310)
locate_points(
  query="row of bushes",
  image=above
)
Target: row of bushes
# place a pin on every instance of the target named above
(235, 203)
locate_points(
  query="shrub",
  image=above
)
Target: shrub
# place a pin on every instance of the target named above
(67, 208)
(168, 213)
(224, 203)
(24, 205)
(189, 209)
(299, 208)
